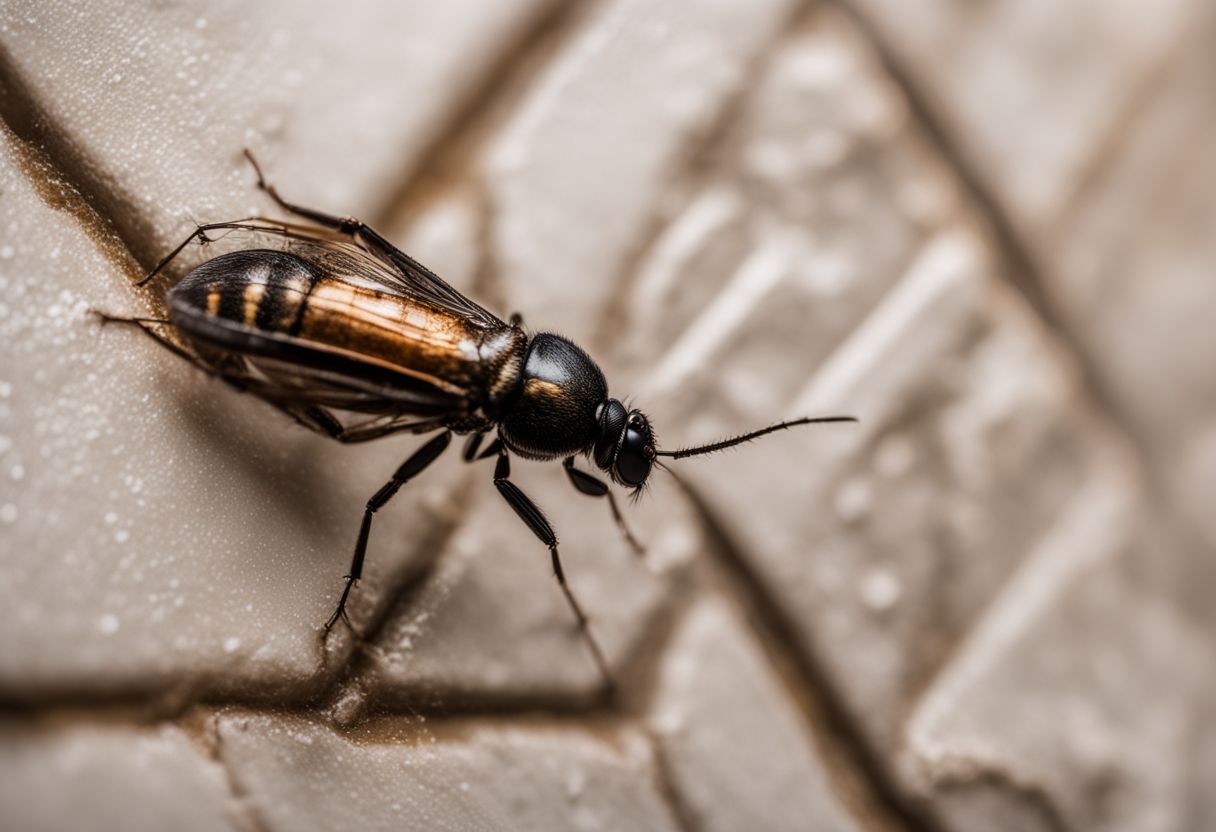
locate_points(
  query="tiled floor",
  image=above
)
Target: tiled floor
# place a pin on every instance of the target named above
(983, 229)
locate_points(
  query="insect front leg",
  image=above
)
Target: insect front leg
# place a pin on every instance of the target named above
(595, 487)
(535, 519)
(409, 469)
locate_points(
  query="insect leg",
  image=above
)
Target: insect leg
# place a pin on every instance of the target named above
(535, 520)
(349, 226)
(493, 448)
(146, 326)
(595, 487)
(409, 469)
(346, 225)
(471, 445)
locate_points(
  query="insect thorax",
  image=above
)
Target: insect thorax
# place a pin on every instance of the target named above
(552, 412)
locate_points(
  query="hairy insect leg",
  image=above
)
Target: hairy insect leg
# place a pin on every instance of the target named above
(595, 487)
(409, 469)
(535, 519)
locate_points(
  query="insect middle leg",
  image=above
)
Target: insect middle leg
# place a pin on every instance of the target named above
(409, 469)
(536, 521)
(595, 487)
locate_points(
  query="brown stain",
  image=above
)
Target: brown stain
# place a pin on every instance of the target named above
(56, 193)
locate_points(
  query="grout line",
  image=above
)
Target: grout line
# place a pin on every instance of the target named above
(681, 812)
(1022, 266)
(446, 159)
(108, 216)
(688, 178)
(842, 744)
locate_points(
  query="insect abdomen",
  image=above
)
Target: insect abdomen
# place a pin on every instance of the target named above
(267, 304)
(258, 289)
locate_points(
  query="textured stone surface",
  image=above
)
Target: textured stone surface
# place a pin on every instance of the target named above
(1133, 276)
(976, 609)
(298, 775)
(159, 528)
(109, 778)
(815, 202)
(755, 769)
(968, 442)
(1062, 709)
(578, 174)
(338, 113)
(490, 622)
(1031, 90)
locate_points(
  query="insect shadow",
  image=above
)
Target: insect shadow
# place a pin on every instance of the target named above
(356, 340)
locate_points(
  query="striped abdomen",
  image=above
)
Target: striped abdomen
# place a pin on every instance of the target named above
(277, 305)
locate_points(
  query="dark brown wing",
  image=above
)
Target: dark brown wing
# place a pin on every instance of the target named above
(396, 272)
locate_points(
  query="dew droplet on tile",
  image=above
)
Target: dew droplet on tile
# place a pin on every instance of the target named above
(853, 500)
(108, 624)
(231, 644)
(8, 513)
(880, 589)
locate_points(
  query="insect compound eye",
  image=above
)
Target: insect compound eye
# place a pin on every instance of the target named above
(637, 451)
(613, 418)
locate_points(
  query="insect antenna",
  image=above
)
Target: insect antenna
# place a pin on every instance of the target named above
(730, 442)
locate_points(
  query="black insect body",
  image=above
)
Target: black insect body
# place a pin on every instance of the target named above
(343, 322)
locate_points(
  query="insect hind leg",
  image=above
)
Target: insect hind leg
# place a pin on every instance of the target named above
(347, 226)
(148, 327)
(412, 467)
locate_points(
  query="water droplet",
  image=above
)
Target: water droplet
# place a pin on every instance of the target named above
(6, 252)
(853, 500)
(111, 518)
(17, 472)
(108, 624)
(231, 644)
(880, 589)
(8, 513)
(121, 536)
(201, 23)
